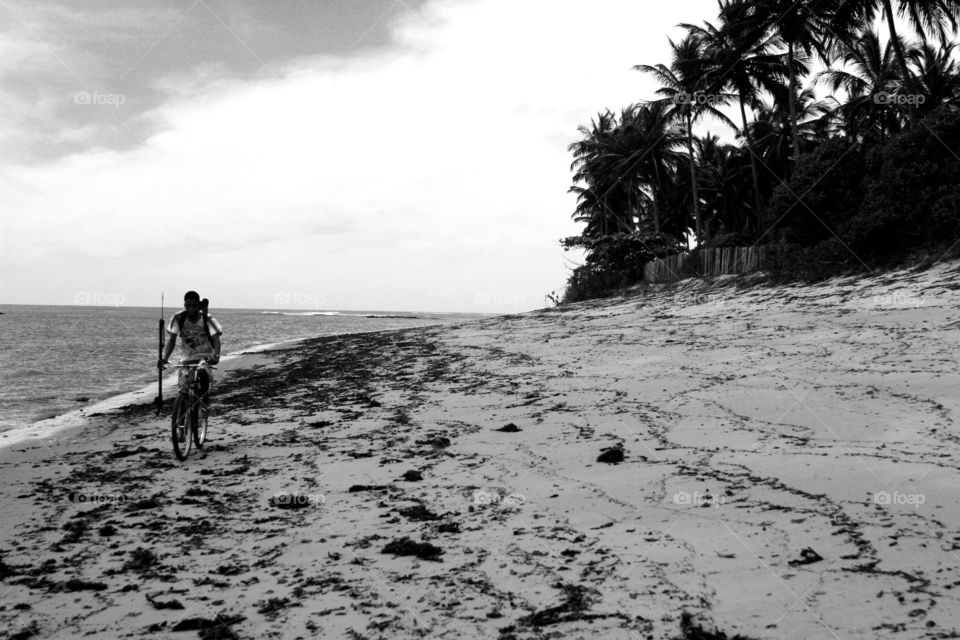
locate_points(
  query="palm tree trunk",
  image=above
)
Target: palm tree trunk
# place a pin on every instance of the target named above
(603, 219)
(693, 179)
(901, 59)
(793, 108)
(753, 168)
(653, 192)
(635, 209)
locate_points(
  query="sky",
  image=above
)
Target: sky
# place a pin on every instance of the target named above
(406, 155)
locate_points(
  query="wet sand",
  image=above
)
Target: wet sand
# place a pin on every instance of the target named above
(688, 462)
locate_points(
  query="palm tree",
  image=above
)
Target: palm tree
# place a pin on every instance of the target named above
(726, 185)
(801, 25)
(933, 16)
(624, 163)
(682, 88)
(937, 73)
(775, 133)
(603, 202)
(742, 57)
(647, 153)
(871, 79)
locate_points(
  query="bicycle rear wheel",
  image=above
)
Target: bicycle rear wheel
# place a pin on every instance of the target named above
(200, 415)
(181, 426)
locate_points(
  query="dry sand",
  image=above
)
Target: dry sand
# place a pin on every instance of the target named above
(781, 462)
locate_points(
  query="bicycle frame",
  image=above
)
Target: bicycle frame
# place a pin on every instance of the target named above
(193, 384)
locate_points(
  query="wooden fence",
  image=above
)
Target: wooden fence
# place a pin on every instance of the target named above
(712, 261)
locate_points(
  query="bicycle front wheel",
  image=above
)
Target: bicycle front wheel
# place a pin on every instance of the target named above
(201, 414)
(181, 422)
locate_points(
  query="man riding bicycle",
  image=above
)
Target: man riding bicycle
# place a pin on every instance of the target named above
(199, 340)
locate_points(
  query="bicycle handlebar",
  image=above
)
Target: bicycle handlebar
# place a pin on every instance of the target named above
(187, 366)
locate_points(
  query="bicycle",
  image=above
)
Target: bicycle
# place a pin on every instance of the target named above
(188, 420)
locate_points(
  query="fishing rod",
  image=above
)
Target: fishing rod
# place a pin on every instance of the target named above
(159, 400)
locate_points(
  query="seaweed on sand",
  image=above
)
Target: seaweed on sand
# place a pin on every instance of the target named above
(406, 547)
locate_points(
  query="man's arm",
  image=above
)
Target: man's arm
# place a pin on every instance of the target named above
(168, 349)
(215, 340)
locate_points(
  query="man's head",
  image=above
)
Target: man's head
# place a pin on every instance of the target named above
(191, 303)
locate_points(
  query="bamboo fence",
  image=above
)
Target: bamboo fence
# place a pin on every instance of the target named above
(712, 261)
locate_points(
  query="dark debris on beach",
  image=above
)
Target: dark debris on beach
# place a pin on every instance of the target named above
(406, 547)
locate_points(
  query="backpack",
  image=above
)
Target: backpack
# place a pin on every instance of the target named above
(204, 310)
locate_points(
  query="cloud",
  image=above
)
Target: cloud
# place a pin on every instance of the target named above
(413, 176)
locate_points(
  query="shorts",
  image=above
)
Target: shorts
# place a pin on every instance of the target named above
(206, 380)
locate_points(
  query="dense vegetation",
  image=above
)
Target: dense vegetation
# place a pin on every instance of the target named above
(865, 179)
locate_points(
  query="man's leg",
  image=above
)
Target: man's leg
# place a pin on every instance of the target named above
(183, 385)
(206, 382)
(183, 381)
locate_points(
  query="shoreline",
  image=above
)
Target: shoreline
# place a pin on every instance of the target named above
(80, 417)
(765, 462)
(78, 377)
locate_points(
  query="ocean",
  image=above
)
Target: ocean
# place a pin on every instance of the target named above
(55, 359)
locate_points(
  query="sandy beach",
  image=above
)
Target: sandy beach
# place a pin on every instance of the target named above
(709, 460)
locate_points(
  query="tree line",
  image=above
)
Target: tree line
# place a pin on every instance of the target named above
(806, 173)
